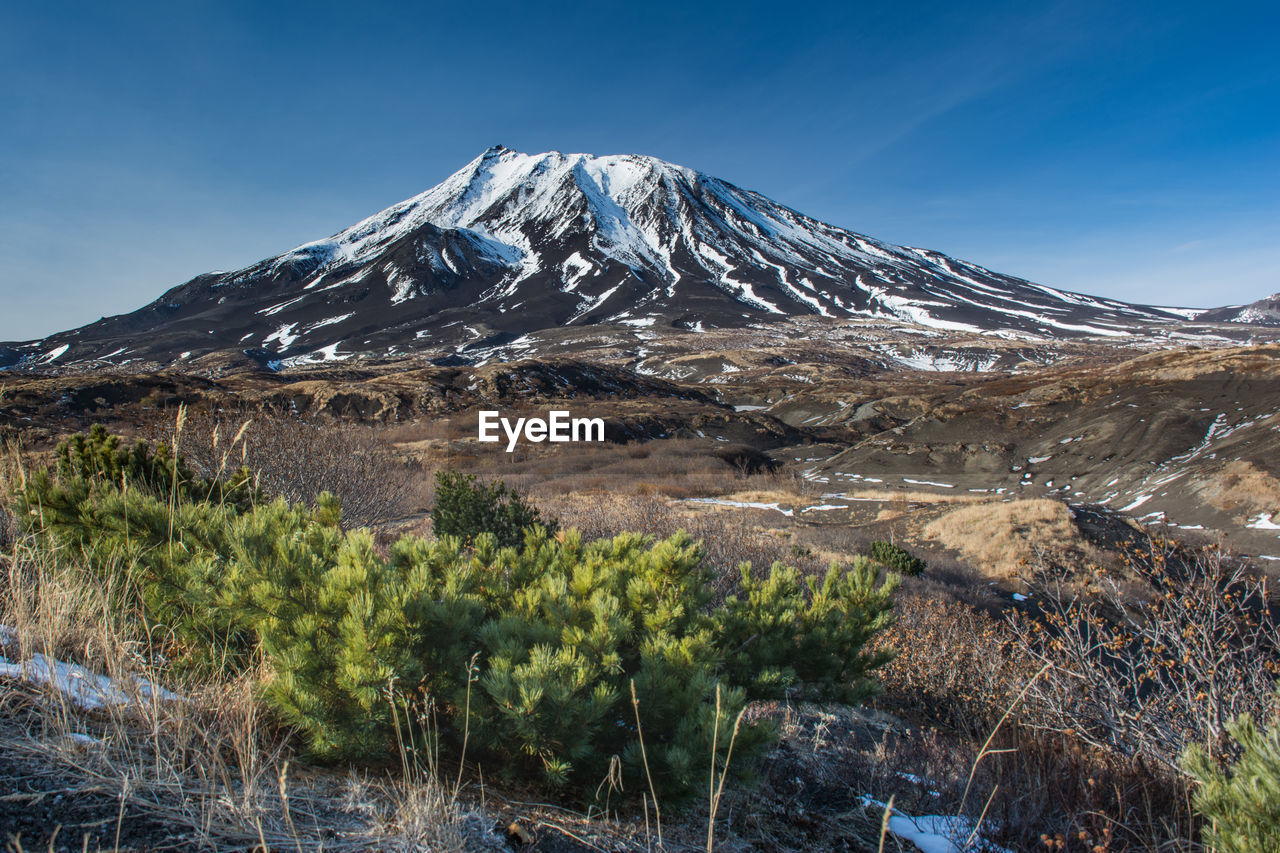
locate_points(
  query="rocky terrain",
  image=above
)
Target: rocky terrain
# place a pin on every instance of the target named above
(1185, 436)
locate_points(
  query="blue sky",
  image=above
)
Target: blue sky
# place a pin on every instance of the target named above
(1124, 149)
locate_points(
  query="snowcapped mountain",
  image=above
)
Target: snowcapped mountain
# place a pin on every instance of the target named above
(513, 243)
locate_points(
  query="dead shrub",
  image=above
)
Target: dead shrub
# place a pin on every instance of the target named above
(1054, 792)
(297, 459)
(956, 665)
(1146, 678)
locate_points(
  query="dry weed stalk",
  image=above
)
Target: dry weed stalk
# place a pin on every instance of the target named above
(717, 788)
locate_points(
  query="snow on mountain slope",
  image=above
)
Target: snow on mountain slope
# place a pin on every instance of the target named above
(1264, 312)
(514, 242)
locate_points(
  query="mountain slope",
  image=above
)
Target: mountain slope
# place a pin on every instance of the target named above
(1264, 312)
(513, 243)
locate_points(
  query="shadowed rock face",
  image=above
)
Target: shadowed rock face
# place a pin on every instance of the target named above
(514, 243)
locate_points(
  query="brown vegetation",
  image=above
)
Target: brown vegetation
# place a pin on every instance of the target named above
(296, 459)
(1003, 538)
(1243, 489)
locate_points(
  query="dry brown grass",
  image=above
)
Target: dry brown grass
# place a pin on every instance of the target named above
(1243, 488)
(1000, 539)
(919, 497)
(672, 467)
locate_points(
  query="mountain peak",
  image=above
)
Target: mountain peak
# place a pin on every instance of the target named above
(514, 242)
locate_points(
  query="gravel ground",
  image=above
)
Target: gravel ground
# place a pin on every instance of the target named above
(46, 809)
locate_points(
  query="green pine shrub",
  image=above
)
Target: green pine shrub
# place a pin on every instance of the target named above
(805, 637)
(157, 535)
(528, 652)
(465, 508)
(1240, 802)
(97, 457)
(896, 559)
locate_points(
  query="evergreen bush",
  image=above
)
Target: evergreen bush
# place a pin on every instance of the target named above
(528, 652)
(156, 534)
(805, 637)
(1240, 802)
(896, 559)
(465, 508)
(97, 457)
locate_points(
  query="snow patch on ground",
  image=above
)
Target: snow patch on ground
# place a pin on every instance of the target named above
(1264, 522)
(741, 504)
(1139, 501)
(81, 687)
(285, 335)
(934, 833)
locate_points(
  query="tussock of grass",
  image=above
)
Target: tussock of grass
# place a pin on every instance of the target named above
(1000, 538)
(1243, 489)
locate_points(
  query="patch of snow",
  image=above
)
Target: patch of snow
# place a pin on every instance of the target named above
(742, 504)
(80, 686)
(922, 783)
(928, 483)
(285, 335)
(280, 306)
(934, 833)
(1137, 503)
(1264, 522)
(330, 321)
(574, 268)
(905, 309)
(1185, 313)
